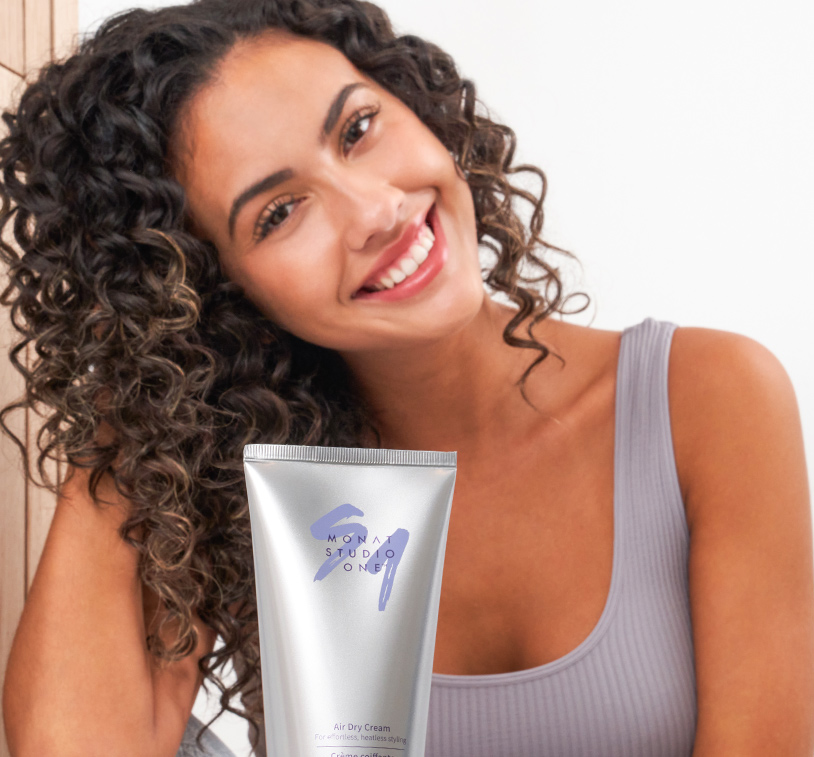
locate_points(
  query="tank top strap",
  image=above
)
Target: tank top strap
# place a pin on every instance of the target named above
(646, 468)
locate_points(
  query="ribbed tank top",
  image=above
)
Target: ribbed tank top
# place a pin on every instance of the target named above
(628, 690)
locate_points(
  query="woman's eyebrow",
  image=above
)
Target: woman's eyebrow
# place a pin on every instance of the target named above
(336, 108)
(271, 181)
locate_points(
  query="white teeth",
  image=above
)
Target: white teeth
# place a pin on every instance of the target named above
(409, 266)
(419, 251)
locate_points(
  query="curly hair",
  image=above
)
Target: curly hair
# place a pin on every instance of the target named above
(148, 364)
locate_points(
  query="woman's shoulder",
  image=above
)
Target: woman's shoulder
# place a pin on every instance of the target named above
(739, 452)
(731, 404)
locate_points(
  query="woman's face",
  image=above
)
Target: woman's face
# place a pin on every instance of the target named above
(313, 182)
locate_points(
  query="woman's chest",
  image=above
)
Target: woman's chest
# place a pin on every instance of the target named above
(528, 562)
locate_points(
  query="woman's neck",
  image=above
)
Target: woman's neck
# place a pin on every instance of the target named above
(460, 392)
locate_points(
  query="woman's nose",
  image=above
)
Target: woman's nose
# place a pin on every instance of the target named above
(369, 212)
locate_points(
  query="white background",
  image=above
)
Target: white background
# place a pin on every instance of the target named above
(677, 141)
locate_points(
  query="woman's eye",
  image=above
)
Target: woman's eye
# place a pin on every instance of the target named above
(353, 131)
(275, 216)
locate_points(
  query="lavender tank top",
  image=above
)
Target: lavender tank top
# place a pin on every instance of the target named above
(628, 690)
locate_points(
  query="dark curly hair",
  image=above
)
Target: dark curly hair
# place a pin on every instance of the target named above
(153, 368)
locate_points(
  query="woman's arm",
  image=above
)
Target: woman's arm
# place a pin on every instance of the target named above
(80, 680)
(739, 452)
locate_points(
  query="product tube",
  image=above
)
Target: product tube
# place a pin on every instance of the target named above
(348, 554)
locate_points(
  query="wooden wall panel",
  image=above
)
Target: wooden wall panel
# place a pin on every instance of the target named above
(9, 86)
(65, 15)
(12, 42)
(13, 502)
(37, 33)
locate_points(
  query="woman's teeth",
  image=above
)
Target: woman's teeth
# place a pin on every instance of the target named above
(408, 263)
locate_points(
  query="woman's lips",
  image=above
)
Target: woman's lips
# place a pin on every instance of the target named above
(395, 252)
(426, 272)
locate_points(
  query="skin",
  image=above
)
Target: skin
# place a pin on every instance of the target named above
(439, 376)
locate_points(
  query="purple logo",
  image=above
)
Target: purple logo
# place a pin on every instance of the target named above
(351, 537)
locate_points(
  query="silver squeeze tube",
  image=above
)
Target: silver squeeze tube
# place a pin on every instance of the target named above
(348, 553)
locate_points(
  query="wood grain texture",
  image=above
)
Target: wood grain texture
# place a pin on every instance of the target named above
(12, 42)
(37, 33)
(65, 27)
(12, 503)
(10, 84)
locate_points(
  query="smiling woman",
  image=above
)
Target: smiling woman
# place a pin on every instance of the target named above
(261, 221)
(205, 197)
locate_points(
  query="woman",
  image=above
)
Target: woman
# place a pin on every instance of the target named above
(222, 208)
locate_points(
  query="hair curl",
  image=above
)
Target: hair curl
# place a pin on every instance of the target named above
(136, 332)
